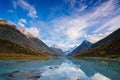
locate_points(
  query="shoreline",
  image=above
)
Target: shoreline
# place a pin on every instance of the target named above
(14, 56)
(100, 58)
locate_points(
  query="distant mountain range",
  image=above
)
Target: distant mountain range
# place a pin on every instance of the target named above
(68, 52)
(107, 47)
(14, 40)
(10, 34)
(83, 46)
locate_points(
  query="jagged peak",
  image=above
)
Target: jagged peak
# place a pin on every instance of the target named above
(86, 41)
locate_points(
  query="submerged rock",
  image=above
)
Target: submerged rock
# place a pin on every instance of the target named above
(26, 75)
(34, 77)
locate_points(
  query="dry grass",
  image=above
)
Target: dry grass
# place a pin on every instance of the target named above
(6, 56)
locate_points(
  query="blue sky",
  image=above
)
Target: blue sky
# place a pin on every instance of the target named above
(65, 23)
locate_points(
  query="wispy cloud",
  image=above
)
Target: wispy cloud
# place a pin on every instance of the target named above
(22, 22)
(110, 25)
(83, 8)
(105, 9)
(64, 44)
(96, 37)
(30, 31)
(10, 11)
(70, 27)
(34, 31)
(72, 5)
(23, 4)
(68, 31)
(75, 26)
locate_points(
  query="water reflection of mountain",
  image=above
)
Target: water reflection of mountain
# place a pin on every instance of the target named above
(107, 68)
(64, 69)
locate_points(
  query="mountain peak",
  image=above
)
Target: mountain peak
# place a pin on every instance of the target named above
(4, 22)
(83, 46)
(57, 50)
(86, 41)
(106, 47)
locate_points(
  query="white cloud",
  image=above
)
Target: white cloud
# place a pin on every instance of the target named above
(83, 7)
(62, 44)
(96, 37)
(105, 9)
(30, 32)
(34, 31)
(22, 22)
(23, 4)
(74, 27)
(71, 3)
(15, 4)
(67, 31)
(110, 25)
(10, 11)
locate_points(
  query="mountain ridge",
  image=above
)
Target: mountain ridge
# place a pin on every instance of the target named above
(11, 33)
(115, 34)
(83, 46)
(110, 48)
(58, 50)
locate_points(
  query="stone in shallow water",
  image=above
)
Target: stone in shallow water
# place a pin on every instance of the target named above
(15, 72)
(10, 74)
(26, 75)
(53, 67)
(34, 77)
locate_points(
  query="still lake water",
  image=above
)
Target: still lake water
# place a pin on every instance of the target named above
(59, 69)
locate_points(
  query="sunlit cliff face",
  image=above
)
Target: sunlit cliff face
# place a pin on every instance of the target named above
(4, 22)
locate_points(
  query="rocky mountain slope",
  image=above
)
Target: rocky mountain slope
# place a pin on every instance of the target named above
(108, 38)
(58, 51)
(109, 47)
(83, 46)
(10, 47)
(11, 33)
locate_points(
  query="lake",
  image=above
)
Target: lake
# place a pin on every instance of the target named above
(60, 69)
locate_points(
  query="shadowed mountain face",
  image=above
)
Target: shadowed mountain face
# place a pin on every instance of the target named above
(10, 47)
(58, 50)
(84, 46)
(108, 38)
(107, 47)
(10, 33)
